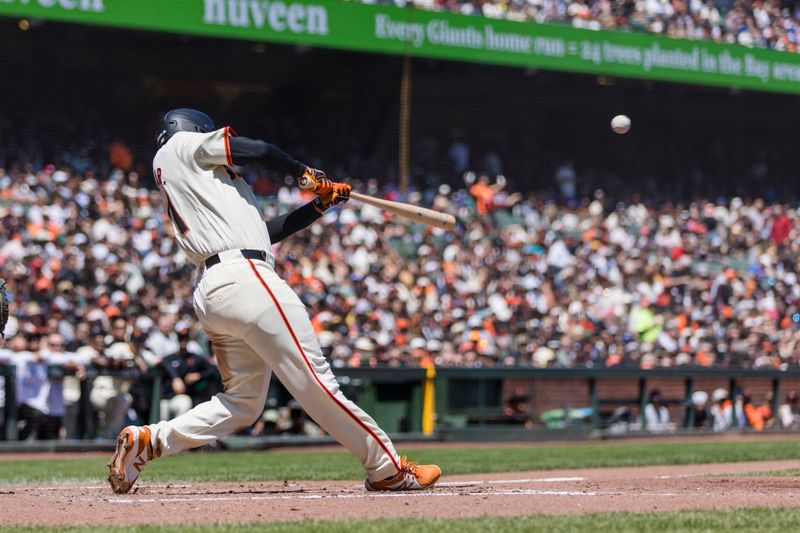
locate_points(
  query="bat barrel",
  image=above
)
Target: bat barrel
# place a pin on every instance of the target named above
(412, 212)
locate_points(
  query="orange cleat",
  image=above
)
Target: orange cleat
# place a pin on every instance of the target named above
(134, 449)
(410, 477)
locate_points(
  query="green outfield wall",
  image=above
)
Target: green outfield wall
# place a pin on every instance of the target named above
(392, 30)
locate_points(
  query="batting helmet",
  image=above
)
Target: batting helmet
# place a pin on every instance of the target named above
(182, 119)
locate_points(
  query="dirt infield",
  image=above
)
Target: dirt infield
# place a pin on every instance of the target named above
(660, 488)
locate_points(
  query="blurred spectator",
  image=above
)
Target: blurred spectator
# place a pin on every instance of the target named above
(656, 414)
(81, 333)
(781, 226)
(163, 341)
(289, 419)
(187, 378)
(566, 179)
(483, 193)
(754, 415)
(700, 412)
(459, 156)
(517, 407)
(65, 392)
(294, 421)
(142, 389)
(765, 410)
(40, 393)
(721, 410)
(110, 395)
(34, 393)
(268, 423)
(789, 410)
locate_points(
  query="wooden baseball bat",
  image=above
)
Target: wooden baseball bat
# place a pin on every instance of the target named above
(430, 217)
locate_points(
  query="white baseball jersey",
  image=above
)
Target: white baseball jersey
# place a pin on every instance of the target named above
(211, 208)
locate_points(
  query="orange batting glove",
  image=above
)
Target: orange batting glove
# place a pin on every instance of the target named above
(315, 181)
(338, 194)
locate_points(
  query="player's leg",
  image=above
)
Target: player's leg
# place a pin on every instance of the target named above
(245, 377)
(285, 338)
(308, 378)
(232, 298)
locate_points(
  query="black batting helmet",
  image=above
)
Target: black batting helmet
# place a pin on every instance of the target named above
(182, 119)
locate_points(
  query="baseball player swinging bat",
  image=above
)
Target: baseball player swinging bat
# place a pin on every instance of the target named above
(411, 212)
(257, 324)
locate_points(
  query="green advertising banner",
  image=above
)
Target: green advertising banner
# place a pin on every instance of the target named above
(392, 30)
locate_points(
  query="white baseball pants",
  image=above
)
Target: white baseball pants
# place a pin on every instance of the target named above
(258, 325)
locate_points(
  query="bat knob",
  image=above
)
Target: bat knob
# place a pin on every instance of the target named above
(304, 183)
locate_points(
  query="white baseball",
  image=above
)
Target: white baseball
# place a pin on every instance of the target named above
(620, 124)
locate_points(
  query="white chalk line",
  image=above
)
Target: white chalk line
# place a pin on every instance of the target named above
(518, 492)
(92, 487)
(440, 484)
(509, 481)
(537, 480)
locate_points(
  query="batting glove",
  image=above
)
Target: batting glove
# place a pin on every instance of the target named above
(315, 181)
(339, 194)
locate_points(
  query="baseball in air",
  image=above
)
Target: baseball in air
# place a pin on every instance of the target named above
(620, 124)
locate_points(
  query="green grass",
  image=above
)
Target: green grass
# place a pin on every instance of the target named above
(790, 472)
(751, 519)
(336, 465)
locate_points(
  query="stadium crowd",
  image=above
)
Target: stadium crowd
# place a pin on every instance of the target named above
(754, 23)
(98, 282)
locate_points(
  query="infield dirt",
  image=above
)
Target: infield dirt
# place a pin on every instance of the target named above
(652, 488)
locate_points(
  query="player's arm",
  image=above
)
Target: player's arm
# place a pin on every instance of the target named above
(245, 151)
(223, 147)
(286, 224)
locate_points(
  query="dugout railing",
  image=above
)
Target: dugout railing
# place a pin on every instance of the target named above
(461, 401)
(480, 394)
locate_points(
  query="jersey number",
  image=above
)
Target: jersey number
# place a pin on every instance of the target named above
(176, 219)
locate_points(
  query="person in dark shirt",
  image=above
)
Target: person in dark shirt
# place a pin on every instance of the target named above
(187, 377)
(698, 412)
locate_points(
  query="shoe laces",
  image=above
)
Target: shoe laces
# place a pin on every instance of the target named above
(409, 467)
